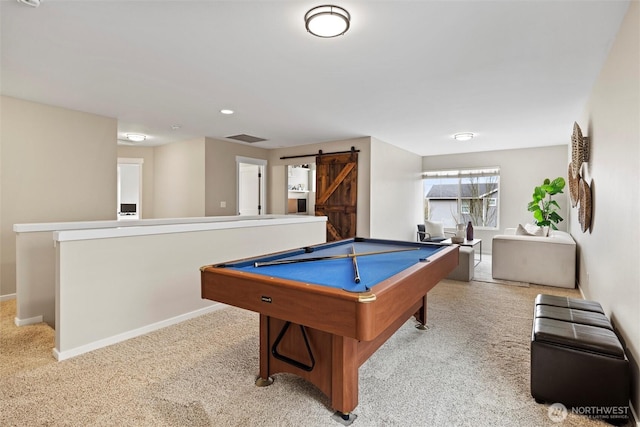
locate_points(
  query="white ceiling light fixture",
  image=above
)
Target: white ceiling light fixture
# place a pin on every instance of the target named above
(464, 136)
(32, 3)
(227, 111)
(327, 21)
(136, 137)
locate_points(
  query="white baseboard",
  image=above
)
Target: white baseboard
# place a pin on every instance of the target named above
(7, 297)
(67, 354)
(28, 321)
(16, 320)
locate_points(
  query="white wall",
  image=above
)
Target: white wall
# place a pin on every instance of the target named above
(190, 178)
(609, 255)
(396, 186)
(520, 172)
(276, 190)
(299, 176)
(179, 175)
(221, 174)
(57, 165)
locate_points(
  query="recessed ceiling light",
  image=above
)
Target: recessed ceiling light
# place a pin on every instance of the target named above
(463, 136)
(226, 111)
(136, 137)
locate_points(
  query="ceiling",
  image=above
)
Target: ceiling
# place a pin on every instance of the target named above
(410, 73)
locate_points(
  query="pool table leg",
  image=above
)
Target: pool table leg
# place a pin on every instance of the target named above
(421, 315)
(344, 375)
(264, 379)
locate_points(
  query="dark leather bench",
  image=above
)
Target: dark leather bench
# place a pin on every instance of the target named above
(566, 302)
(573, 316)
(578, 360)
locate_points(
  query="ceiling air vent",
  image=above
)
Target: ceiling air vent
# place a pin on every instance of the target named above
(246, 138)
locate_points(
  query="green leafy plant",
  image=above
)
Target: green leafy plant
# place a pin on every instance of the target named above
(543, 206)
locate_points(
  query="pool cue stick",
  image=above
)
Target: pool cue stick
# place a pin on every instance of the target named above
(323, 258)
(355, 264)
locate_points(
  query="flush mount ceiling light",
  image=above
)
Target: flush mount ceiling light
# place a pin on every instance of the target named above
(463, 136)
(136, 137)
(226, 111)
(327, 21)
(32, 3)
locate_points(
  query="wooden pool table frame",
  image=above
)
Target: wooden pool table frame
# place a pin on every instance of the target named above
(343, 329)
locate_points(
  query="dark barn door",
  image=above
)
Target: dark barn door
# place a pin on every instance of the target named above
(336, 193)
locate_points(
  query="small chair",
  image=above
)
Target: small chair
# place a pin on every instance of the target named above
(432, 231)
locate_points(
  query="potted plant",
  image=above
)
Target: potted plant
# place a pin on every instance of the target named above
(543, 206)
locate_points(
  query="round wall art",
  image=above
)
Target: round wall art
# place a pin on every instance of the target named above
(579, 150)
(584, 211)
(573, 188)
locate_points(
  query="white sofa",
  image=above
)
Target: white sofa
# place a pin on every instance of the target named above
(541, 260)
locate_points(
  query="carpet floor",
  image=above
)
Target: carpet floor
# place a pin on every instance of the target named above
(482, 273)
(470, 368)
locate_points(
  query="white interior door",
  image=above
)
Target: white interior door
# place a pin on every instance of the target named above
(249, 200)
(251, 181)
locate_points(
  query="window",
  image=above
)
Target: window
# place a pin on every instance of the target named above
(459, 196)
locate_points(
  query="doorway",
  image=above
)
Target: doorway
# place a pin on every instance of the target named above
(129, 189)
(301, 189)
(251, 184)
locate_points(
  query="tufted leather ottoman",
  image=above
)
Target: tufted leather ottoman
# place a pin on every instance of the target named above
(577, 360)
(571, 315)
(566, 302)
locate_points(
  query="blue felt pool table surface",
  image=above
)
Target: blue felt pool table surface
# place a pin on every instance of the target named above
(339, 273)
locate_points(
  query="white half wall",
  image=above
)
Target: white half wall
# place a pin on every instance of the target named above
(112, 288)
(36, 256)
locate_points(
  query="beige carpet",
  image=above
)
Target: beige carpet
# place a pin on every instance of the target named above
(470, 368)
(22, 348)
(482, 273)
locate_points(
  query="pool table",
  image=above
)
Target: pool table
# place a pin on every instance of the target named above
(316, 320)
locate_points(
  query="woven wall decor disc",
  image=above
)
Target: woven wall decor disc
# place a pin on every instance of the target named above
(584, 211)
(579, 150)
(573, 188)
